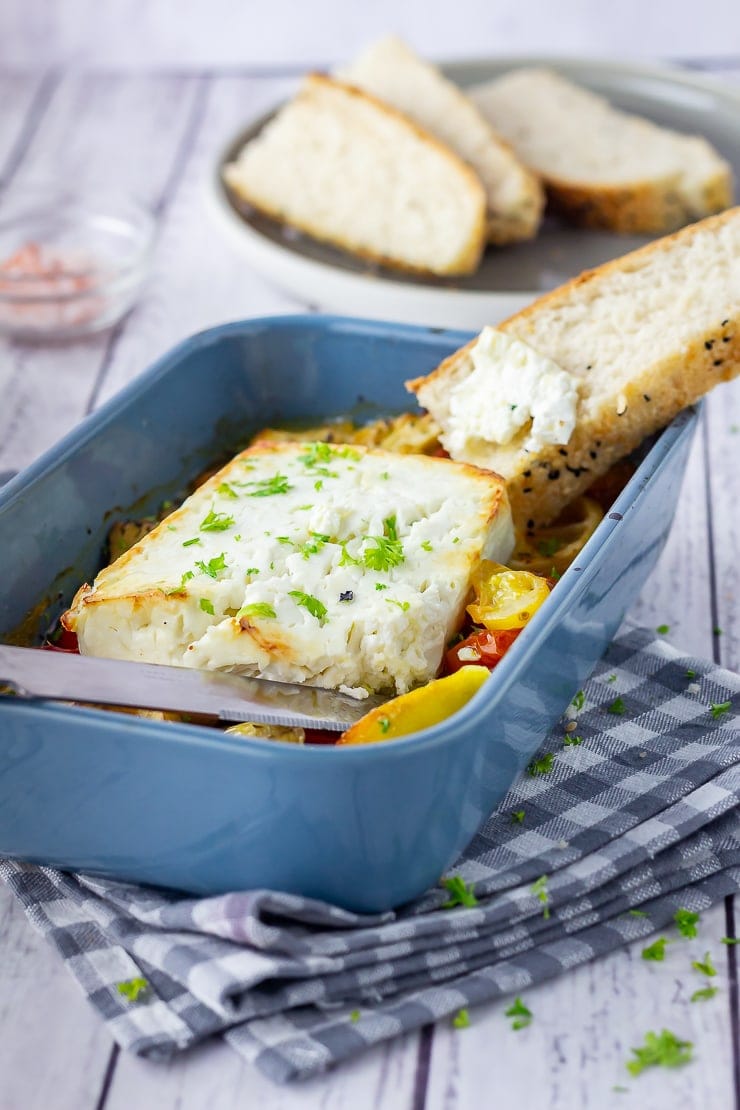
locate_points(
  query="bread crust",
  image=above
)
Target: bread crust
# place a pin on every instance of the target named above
(654, 204)
(467, 260)
(648, 207)
(540, 485)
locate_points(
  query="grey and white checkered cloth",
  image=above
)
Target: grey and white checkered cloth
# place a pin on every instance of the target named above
(643, 812)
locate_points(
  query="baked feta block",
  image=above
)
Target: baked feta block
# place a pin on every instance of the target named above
(338, 566)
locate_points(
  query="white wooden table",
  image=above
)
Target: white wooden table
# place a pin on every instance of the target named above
(156, 133)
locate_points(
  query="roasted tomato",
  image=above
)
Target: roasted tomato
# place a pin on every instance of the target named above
(481, 648)
(505, 598)
(418, 709)
(63, 640)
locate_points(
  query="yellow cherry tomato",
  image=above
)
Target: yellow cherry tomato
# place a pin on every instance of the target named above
(506, 598)
(421, 708)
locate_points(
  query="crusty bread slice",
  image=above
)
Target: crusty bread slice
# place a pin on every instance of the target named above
(643, 337)
(346, 169)
(391, 71)
(603, 167)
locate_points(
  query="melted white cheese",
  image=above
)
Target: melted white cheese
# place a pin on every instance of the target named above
(512, 386)
(282, 536)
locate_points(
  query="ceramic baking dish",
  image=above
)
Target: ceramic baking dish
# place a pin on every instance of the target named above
(191, 808)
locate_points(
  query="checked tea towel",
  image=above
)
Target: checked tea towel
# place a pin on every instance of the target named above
(642, 812)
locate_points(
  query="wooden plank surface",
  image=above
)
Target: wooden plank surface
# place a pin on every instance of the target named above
(159, 134)
(135, 34)
(53, 1049)
(113, 133)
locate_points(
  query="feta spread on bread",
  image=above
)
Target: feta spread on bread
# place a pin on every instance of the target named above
(338, 566)
(511, 386)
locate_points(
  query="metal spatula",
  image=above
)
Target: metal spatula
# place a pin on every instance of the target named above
(60, 676)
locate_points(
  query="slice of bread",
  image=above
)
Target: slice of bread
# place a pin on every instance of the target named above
(391, 71)
(642, 337)
(351, 171)
(335, 565)
(602, 167)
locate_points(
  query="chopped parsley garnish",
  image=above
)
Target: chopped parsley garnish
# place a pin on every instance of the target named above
(270, 487)
(548, 547)
(354, 1016)
(612, 678)
(189, 543)
(188, 574)
(521, 1015)
(461, 1020)
(213, 566)
(315, 544)
(579, 700)
(388, 550)
(730, 940)
(663, 1050)
(461, 893)
(384, 724)
(318, 454)
(655, 951)
(517, 816)
(346, 559)
(637, 913)
(227, 491)
(385, 475)
(705, 966)
(171, 528)
(257, 609)
(555, 574)
(318, 484)
(541, 766)
(617, 707)
(718, 709)
(379, 585)
(404, 606)
(216, 522)
(539, 889)
(691, 674)
(456, 539)
(717, 631)
(307, 601)
(207, 606)
(572, 741)
(704, 994)
(662, 629)
(427, 545)
(132, 988)
(686, 922)
(385, 554)
(252, 570)
(284, 539)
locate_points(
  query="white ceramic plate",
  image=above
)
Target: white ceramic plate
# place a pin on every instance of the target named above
(509, 277)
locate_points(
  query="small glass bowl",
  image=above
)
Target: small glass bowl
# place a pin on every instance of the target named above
(71, 263)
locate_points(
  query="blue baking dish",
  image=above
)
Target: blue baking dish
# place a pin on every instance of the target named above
(193, 809)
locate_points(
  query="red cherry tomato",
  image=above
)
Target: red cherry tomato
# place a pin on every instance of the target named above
(64, 640)
(481, 648)
(321, 736)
